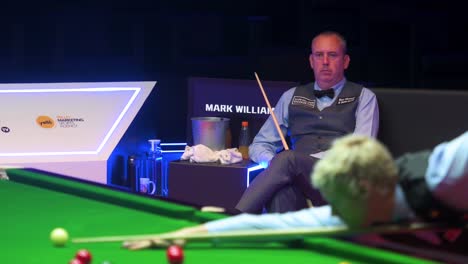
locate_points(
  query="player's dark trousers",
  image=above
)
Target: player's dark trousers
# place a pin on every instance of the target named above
(283, 187)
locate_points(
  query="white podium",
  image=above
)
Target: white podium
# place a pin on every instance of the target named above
(67, 128)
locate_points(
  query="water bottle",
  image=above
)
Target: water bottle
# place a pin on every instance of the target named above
(228, 138)
(153, 166)
(244, 140)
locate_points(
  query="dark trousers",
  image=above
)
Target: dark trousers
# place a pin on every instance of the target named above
(284, 186)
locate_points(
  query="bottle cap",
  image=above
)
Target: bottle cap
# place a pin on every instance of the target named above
(245, 123)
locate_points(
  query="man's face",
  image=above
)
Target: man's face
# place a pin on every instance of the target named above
(328, 60)
(376, 206)
(350, 209)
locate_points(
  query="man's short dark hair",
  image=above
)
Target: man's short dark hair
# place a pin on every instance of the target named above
(334, 33)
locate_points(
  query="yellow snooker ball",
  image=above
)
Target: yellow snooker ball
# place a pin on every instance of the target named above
(59, 237)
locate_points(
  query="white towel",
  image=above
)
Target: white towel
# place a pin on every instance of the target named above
(201, 153)
(230, 156)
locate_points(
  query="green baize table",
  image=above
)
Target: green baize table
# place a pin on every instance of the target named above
(33, 203)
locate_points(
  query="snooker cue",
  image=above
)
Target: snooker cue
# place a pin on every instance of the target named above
(278, 235)
(285, 145)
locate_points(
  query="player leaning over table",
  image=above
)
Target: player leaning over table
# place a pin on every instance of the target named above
(364, 185)
(313, 115)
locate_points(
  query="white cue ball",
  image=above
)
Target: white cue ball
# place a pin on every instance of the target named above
(59, 237)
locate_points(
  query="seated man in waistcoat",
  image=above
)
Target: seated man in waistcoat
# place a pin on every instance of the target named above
(313, 115)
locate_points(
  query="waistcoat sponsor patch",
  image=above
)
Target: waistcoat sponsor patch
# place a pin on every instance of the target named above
(299, 100)
(346, 100)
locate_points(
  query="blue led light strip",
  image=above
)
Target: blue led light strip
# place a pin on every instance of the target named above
(173, 151)
(173, 144)
(254, 168)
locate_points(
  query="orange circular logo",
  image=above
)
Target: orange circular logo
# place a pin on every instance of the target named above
(45, 122)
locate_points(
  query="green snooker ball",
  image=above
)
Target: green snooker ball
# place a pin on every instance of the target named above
(59, 237)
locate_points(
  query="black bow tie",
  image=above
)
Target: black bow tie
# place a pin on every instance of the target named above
(328, 92)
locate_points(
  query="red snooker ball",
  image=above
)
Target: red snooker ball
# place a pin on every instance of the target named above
(175, 254)
(84, 255)
(76, 261)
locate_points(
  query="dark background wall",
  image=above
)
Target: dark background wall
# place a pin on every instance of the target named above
(392, 43)
(406, 44)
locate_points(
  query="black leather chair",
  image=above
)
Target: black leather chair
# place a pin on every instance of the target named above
(412, 120)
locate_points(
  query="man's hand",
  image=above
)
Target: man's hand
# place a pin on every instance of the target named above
(3, 175)
(151, 243)
(163, 243)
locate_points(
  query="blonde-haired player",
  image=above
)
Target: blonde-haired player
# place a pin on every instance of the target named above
(363, 185)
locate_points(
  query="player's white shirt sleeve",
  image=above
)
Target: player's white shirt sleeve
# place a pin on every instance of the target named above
(447, 172)
(306, 218)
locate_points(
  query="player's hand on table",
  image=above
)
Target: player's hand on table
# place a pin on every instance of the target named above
(157, 242)
(151, 243)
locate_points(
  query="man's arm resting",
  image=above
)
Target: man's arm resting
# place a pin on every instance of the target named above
(268, 142)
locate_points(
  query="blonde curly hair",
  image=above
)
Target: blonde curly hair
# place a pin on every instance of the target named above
(353, 162)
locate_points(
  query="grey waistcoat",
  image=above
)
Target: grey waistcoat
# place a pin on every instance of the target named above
(311, 130)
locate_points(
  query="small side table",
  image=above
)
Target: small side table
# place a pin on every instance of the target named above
(210, 184)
